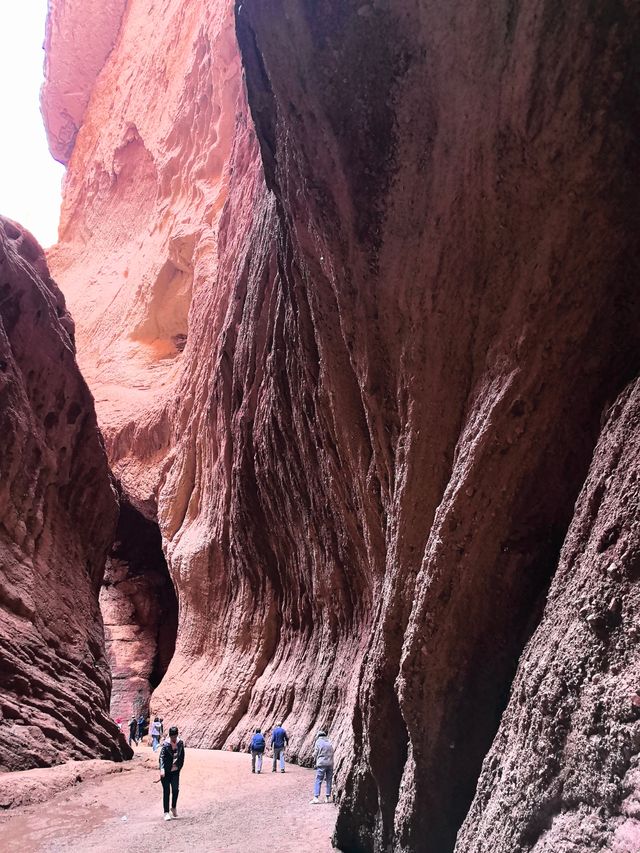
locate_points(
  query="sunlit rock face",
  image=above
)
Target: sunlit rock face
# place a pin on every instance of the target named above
(139, 227)
(78, 40)
(57, 518)
(351, 331)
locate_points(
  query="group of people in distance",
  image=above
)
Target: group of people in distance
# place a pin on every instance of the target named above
(171, 761)
(322, 756)
(137, 729)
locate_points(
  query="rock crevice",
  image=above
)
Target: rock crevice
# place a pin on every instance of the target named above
(140, 613)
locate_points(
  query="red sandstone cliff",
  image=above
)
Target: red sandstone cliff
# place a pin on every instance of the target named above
(57, 517)
(351, 343)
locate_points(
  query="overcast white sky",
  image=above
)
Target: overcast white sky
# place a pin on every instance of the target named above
(30, 179)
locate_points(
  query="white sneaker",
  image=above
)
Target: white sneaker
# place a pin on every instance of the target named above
(315, 801)
(174, 813)
(167, 816)
(327, 798)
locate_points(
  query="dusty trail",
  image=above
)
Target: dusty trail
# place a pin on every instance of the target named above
(222, 806)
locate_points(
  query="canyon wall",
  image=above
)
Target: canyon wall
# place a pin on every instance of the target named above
(57, 519)
(563, 774)
(351, 324)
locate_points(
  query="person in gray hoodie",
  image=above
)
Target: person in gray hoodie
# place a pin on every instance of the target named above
(323, 759)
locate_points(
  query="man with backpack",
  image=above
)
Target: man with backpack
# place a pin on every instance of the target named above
(257, 748)
(279, 740)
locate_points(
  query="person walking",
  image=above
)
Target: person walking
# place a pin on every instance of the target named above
(279, 740)
(155, 731)
(171, 761)
(323, 760)
(133, 730)
(141, 722)
(257, 748)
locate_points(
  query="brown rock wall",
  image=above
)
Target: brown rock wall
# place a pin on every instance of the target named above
(562, 774)
(480, 260)
(57, 516)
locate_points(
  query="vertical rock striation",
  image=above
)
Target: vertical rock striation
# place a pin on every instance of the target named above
(57, 517)
(351, 332)
(458, 183)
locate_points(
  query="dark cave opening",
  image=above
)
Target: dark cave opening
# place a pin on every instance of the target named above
(140, 612)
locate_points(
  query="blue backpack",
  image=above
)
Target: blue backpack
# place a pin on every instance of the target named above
(258, 743)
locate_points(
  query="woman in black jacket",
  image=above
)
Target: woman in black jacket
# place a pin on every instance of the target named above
(171, 761)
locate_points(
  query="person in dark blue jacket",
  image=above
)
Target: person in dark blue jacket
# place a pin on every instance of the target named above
(279, 740)
(133, 731)
(257, 748)
(141, 725)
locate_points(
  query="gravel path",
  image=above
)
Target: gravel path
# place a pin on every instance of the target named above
(222, 807)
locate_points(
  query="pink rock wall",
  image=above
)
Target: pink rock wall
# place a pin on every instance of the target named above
(130, 646)
(78, 40)
(350, 336)
(57, 518)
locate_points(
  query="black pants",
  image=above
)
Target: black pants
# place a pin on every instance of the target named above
(170, 780)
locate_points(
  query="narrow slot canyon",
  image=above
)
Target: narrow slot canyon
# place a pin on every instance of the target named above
(140, 613)
(324, 410)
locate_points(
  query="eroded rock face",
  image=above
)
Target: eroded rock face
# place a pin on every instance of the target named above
(57, 518)
(352, 341)
(563, 774)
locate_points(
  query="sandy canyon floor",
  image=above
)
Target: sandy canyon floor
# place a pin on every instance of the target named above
(222, 806)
